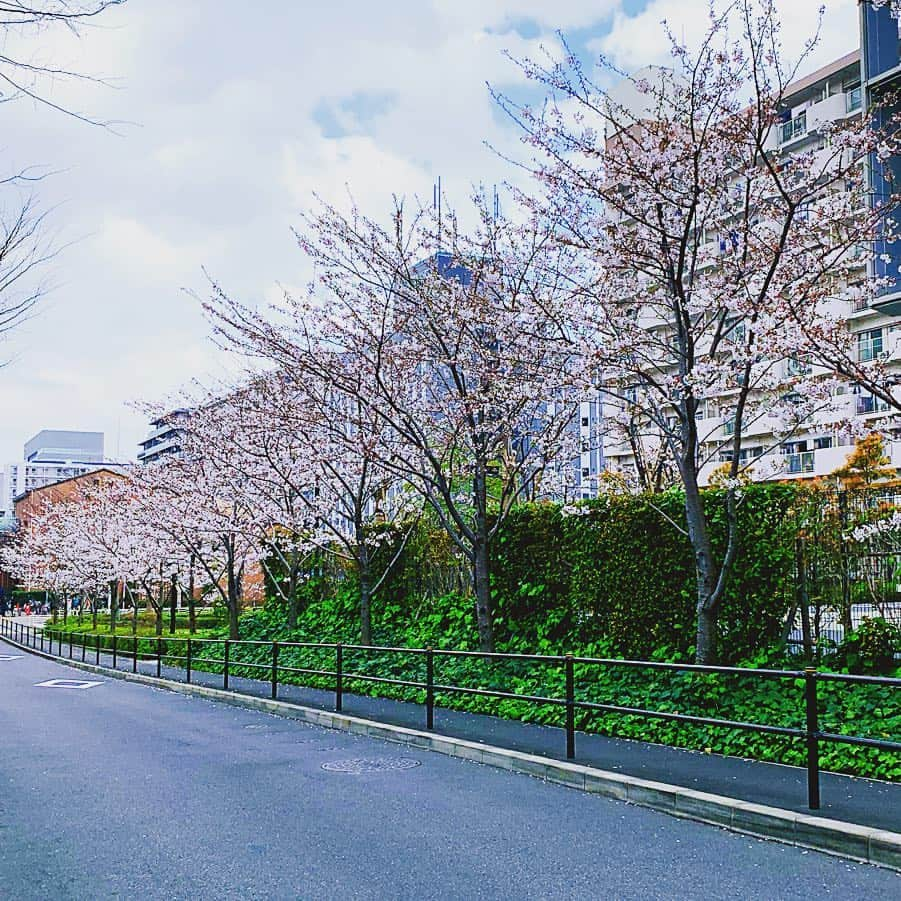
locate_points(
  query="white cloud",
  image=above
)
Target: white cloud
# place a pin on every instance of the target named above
(637, 40)
(560, 14)
(230, 142)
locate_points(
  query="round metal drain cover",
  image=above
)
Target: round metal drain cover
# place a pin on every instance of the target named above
(359, 765)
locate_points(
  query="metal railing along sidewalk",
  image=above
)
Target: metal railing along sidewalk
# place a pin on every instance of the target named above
(163, 649)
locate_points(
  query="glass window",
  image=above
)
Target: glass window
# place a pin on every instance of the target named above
(794, 128)
(869, 345)
(880, 40)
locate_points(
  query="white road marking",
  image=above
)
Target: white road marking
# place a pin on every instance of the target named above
(66, 683)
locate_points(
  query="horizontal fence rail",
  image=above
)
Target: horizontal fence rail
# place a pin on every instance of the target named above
(159, 649)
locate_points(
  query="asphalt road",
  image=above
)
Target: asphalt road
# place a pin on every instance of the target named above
(123, 791)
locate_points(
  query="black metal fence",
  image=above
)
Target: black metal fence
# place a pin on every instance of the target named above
(112, 650)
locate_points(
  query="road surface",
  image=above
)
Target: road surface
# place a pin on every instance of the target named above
(124, 791)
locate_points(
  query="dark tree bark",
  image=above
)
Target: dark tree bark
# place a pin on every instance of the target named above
(192, 618)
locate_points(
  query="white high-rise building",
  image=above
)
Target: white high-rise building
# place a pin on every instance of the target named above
(50, 456)
(831, 94)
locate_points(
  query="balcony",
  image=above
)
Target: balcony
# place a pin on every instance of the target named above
(802, 462)
(793, 130)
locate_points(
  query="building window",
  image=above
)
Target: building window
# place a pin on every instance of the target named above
(868, 403)
(802, 462)
(853, 99)
(794, 128)
(869, 345)
(795, 367)
(822, 443)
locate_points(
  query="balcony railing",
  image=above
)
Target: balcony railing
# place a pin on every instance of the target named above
(794, 128)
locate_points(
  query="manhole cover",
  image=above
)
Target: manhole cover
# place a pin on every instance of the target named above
(66, 683)
(359, 765)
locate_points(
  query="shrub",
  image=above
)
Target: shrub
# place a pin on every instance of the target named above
(871, 648)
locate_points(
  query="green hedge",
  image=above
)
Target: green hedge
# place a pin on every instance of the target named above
(618, 571)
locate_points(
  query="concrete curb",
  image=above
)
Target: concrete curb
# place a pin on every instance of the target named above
(860, 843)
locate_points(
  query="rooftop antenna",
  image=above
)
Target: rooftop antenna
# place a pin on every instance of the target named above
(436, 205)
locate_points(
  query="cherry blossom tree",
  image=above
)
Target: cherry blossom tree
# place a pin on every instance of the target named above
(302, 450)
(198, 500)
(713, 258)
(447, 354)
(57, 551)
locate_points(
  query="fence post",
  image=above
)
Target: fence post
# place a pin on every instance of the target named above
(813, 735)
(71, 636)
(134, 654)
(42, 639)
(159, 655)
(274, 670)
(188, 661)
(97, 649)
(115, 648)
(570, 709)
(429, 689)
(339, 677)
(84, 646)
(225, 667)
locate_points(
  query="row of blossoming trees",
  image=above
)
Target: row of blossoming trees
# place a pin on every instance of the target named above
(665, 252)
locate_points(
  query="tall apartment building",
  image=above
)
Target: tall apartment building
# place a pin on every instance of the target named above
(834, 92)
(50, 456)
(164, 437)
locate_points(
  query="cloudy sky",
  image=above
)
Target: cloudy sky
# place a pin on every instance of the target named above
(233, 114)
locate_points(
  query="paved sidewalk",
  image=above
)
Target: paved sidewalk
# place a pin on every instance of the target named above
(865, 802)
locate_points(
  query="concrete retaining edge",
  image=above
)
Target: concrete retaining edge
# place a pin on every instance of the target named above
(861, 843)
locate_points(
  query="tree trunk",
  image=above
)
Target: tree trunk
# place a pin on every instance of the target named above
(803, 600)
(134, 607)
(705, 574)
(482, 587)
(233, 632)
(365, 605)
(233, 594)
(94, 612)
(192, 618)
(481, 565)
(291, 611)
(158, 622)
(113, 605)
(173, 598)
(845, 612)
(65, 609)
